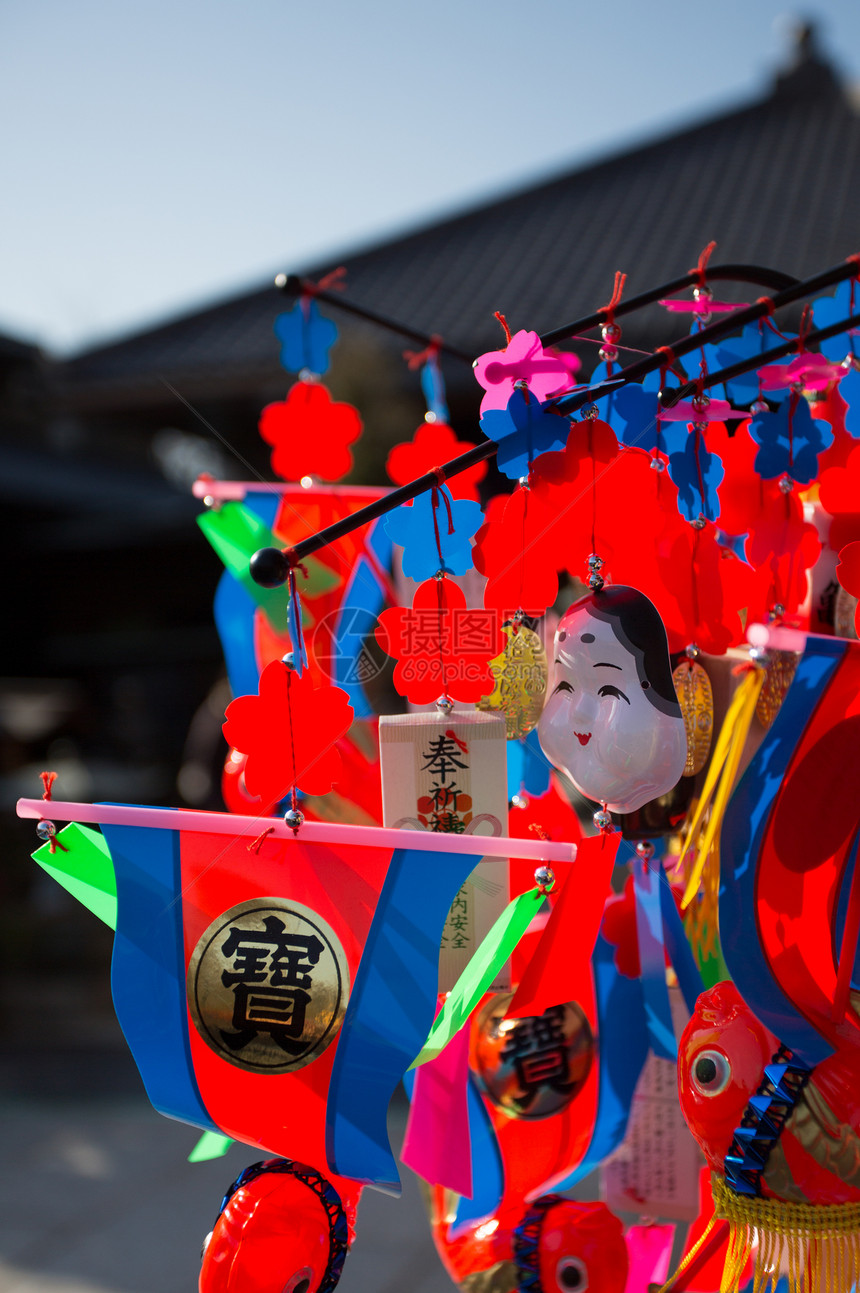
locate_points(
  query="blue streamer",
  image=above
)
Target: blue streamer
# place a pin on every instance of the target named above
(390, 1011)
(623, 1050)
(148, 968)
(647, 883)
(744, 827)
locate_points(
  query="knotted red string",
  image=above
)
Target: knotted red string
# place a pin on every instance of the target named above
(608, 310)
(503, 321)
(48, 779)
(767, 302)
(294, 563)
(699, 273)
(435, 491)
(257, 844)
(333, 282)
(418, 358)
(452, 736)
(294, 799)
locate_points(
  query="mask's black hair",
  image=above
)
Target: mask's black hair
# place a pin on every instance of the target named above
(636, 623)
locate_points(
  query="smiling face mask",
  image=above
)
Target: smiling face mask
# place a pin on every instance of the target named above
(612, 721)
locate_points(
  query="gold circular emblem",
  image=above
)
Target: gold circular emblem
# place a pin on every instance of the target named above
(267, 985)
(521, 676)
(693, 688)
(778, 677)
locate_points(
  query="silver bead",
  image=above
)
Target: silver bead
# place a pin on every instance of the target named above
(445, 705)
(692, 651)
(701, 402)
(523, 482)
(700, 522)
(289, 660)
(850, 361)
(305, 375)
(294, 819)
(776, 611)
(786, 484)
(602, 819)
(46, 830)
(759, 656)
(702, 294)
(657, 464)
(590, 411)
(611, 332)
(645, 850)
(594, 562)
(518, 617)
(704, 316)
(519, 801)
(608, 354)
(759, 406)
(440, 574)
(544, 877)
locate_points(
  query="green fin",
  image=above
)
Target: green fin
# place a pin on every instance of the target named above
(210, 1145)
(85, 870)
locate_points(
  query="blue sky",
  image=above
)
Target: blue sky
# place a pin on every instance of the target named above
(160, 155)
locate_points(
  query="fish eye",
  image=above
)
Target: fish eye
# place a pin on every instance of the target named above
(300, 1282)
(571, 1274)
(609, 689)
(563, 686)
(711, 1072)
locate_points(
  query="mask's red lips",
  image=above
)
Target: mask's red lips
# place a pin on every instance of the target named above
(583, 737)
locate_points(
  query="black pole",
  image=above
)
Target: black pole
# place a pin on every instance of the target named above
(270, 566)
(758, 275)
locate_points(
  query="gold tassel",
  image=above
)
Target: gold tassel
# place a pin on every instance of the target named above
(703, 835)
(817, 1246)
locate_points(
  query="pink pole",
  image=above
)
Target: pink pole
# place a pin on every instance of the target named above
(310, 833)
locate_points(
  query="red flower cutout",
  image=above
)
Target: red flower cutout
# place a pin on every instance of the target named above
(782, 547)
(440, 645)
(518, 554)
(698, 586)
(311, 433)
(289, 733)
(839, 493)
(848, 574)
(432, 445)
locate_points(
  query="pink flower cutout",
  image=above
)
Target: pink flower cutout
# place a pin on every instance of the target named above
(685, 411)
(523, 360)
(814, 371)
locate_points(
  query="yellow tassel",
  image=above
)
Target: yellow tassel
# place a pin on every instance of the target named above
(704, 831)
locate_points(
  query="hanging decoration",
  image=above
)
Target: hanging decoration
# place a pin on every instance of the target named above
(613, 722)
(706, 496)
(520, 674)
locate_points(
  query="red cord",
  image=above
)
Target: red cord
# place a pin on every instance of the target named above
(417, 358)
(699, 273)
(503, 321)
(332, 282)
(608, 310)
(48, 779)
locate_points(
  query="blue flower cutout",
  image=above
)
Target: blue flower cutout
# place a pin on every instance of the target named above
(849, 389)
(830, 309)
(412, 528)
(695, 469)
(790, 444)
(433, 387)
(752, 341)
(306, 338)
(523, 431)
(631, 411)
